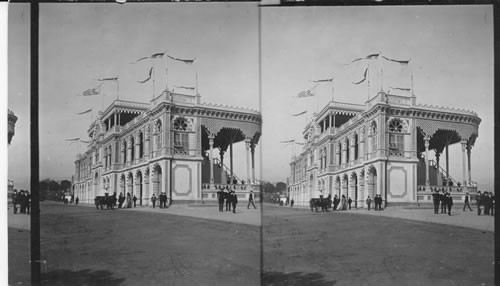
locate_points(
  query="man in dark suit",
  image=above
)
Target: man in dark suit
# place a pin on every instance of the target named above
(220, 197)
(250, 200)
(435, 200)
(442, 199)
(449, 202)
(234, 200)
(466, 202)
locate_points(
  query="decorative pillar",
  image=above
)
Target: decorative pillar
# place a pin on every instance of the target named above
(137, 147)
(114, 119)
(247, 147)
(469, 147)
(447, 166)
(427, 139)
(146, 143)
(344, 151)
(352, 146)
(464, 168)
(252, 151)
(231, 160)
(129, 150)
(211, 143)
(222, 179)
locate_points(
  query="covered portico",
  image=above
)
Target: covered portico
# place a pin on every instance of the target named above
(221, 129)
(436, 132)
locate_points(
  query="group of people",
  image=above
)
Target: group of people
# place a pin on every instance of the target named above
(377, 200)
(229, 198)
(445, 200)
(162, 198)
(23, 200)
(485, 203)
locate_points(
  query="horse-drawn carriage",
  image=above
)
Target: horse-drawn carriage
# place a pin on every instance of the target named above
(105, 201)
(323, 203)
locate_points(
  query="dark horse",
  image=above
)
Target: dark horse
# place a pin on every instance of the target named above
(108, 201)
(320, 202)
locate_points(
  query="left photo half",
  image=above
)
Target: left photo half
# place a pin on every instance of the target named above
(149, 132)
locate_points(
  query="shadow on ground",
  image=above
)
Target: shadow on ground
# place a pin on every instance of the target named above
(81, 277)
(295, 279)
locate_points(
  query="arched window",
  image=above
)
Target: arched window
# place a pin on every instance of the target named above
(124, 144)
(356, 146)
(182, 126)
(396, 137)
(158, 132)
(373, 134)
(347, 143)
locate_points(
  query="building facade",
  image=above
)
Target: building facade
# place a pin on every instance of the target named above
(383, 147)
(167, 146)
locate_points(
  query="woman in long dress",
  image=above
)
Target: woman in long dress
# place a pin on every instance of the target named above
(129, 200)
(344, 203)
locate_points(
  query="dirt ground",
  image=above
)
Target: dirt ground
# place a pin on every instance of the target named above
(83, 246)
(338, 248)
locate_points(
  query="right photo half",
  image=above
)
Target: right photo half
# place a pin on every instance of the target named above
(377, 145)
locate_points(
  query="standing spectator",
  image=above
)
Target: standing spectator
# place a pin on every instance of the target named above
(466, 202)
(349, 201)
(234, 201)
(28, 202)
(375, 200)
(344, 203)
(250, 200)
(153, 200)
(220, 197)
(442, 199)
(135, 200)
(449, 202)
(291, 203)
(492, 211)
(368, 202)
(435, 200)
(77, 200)
(22, 202)
(479, 202)
(121, 199)
(227, 196)
(129, 200)
(14, 201)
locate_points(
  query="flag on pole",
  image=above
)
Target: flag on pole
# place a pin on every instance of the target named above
(288, 141)
(182, 60)
(185, 87)
(307, 93)
(323, 80)
(84, 141)
(298, 143)
(364, 77)
(397, 61)
(369, 57)
(149, 77)
(303, 112)
(86, 111)
(153, 56)
(108, 79)
(73, 139)
(92, 91)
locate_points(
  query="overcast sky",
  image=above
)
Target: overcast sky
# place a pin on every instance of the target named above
(82, 42)
(451, 52)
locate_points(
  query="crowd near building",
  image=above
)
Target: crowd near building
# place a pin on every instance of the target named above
(167, 146)
(389, 146)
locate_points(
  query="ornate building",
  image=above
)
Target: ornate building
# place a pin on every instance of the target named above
(167, 146)
(381, 148)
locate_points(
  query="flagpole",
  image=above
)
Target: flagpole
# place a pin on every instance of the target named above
(333, 90)
(102, 97)
(368, 83)
(196, 82)
(117, 88)
(153, 71)
(166, 72)
(381, 72)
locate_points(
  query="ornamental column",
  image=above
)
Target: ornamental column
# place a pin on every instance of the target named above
(464, 168)
(129, 150)
(427, 182)
(247, 147)
(231, 160)
(469, 147)
(447, 166)
(222, 179)
(211, 143)
(147, 142)
(252, 151)
(137, 142)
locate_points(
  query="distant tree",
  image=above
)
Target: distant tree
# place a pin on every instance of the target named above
(50, 190)
(65, 185)
(280, 187)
